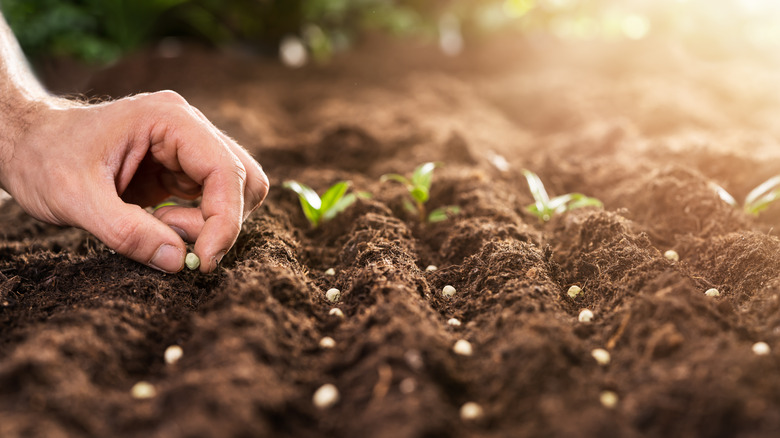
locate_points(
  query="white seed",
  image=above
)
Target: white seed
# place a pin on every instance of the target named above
(448, 291)
(330, 272)
(463, 348)
(712, 292)
(333, 295)
(336, 312)
(327, 342)
(192, 261)
(608, 399)
(471, 411)
(672, 255)
(455, 322)
(173, 354)
(574, 291)
(586, 315)
(431, 268)
(601, 355)
(408, 385)
(761, 348)
(143, 390)
(326, 396)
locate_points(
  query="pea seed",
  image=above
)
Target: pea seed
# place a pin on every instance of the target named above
(608, 399)
(586, 315)
(330, 272)
(672, 255)
(431, 268)
(192, 261)
(574, 291)
(448, 291)
(173, 354)
(761, 348)
(336, 312)
(712, 292)
(143, 390)
(463, 348)
(471, 411)
(333, 295)
(327, 342)
(326, 396)
(455, 322)
(602, 356)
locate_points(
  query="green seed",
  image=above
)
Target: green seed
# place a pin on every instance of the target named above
(574, 291)
(192, 261)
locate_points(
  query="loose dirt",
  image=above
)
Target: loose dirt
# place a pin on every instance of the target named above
(644, 128)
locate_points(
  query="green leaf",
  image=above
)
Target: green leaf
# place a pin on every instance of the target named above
(558, 204)
(334, 194)
(310, 201)
(723, 194)
(339, 206)
(411, 208)
(396, 177)
(537, 191)
(419, 194)
(423, 175)
(443, 213)
(578, 200)
(365, 195)
(763, 192)
(762, 203)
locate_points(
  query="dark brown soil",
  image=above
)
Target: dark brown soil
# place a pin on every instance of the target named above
(645, 134)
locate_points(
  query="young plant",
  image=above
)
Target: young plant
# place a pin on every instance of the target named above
(545, 208)
(320, 209)
(419, 186)
(757, 200)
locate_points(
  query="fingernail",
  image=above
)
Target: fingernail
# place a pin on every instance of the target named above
(168, 258)
(180, 232)
(215, 260)
(165, 204)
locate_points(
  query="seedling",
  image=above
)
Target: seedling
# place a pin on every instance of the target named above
(757, 200)
(320, 209)
(545, 208)
(419, 186)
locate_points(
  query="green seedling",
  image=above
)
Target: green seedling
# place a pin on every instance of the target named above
(757, 200)
(321, 209)
(545, 208)
(419, 187)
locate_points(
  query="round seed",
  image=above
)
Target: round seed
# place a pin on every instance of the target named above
(143, 390)
(173, 354)
(471, 411)
(333, 295)
(608, 399)
(463, 348)
(586, 315)
(448, 291)
(672, 255)
(192, 261)
(602, 356)
(431, 268)
(455, 322)
(330, 272)
(336, 312)
(574, 291)
(327, 342)
(408, 385)
(326, 396)
(761, 348)
(712, 292)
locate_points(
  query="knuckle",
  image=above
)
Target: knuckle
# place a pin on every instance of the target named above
(169, 97)
(125, 237)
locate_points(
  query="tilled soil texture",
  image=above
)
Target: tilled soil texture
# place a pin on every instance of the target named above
(645, 129)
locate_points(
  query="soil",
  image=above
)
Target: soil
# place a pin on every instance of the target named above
(644, 127)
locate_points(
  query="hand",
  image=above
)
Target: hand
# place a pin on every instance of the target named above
(96, 166)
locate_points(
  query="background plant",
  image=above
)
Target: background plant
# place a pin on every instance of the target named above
(419, 187)
(545, 207)
(320, 209)
(758, 200)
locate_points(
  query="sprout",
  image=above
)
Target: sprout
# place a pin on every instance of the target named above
(462, 347)
(574, 291)
(330, 272)
(448, 291)
(712, 292)
(192, 261)
(327, 342)
(602, 356)
(333, 295)
(545, 208)
(608, 399)
(320, 209)
(430, 268)
(586, 315)
(419, 186)
(143, 390)
(672, 256)
(757, 200)
(173, 354)
(455, 322)
(326, 396)
(336, 312)
(471, 411)
(761, 348)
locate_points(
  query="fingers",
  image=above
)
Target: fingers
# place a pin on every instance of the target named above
(131, 231)
(186, 221)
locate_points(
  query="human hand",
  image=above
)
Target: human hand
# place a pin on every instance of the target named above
(96, 166)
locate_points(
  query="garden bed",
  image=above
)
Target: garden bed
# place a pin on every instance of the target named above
(81, 325)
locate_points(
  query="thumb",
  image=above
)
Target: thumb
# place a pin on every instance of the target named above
(129, 230)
